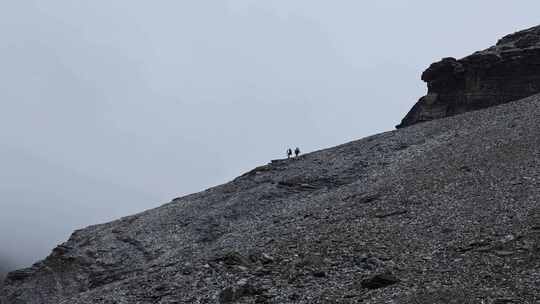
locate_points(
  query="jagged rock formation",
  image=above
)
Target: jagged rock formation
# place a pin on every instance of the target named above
(442, 212)
(505, 72)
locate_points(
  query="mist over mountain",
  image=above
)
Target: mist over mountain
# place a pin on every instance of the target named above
(40, 208)
(136, 102)
(5, 267)
(443, 210)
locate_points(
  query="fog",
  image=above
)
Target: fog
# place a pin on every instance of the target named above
(112, 107)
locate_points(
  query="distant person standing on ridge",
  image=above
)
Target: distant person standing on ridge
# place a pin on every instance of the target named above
(297, 151)
(289, 153)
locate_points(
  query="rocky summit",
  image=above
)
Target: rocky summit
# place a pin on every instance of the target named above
(505, 72)
(446, 211)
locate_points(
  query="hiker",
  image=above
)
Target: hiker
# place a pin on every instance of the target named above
(297, 151)
(289, 153)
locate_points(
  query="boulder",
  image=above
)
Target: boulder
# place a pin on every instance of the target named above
(380, 281)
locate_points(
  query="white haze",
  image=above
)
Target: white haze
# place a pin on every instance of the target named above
(112, 107)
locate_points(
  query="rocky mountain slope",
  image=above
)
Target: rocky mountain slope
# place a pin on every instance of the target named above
(51, 192)
(445, 211)
(442, 212)
(505, 72)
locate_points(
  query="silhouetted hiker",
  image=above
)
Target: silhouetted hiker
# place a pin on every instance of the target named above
(297, 151)
(289, 153)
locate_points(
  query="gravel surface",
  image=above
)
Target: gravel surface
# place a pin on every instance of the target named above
(445, 211)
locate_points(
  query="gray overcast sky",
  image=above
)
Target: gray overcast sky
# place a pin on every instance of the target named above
(112, 107)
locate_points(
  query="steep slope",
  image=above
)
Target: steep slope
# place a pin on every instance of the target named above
(508, 71)
(5, 266)
(442, 212)
(37, 193)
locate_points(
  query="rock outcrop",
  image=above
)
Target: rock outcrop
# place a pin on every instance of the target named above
(505, 72)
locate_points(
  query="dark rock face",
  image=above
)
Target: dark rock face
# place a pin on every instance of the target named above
(380, 281)
(505, 72)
